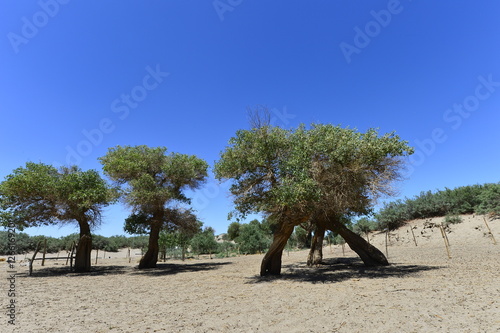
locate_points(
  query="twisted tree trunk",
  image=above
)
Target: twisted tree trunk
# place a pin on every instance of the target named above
(316, 253)
(271, 264)
(84, 248)
(370, 255)
(150, 258)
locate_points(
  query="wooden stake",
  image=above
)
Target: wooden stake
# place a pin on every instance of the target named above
(414, 239)
(96, 253)
(44, 251)
(129, 257)
(445, 241)
(71, 257)
(386, 249)
(69, 253)
(489, 230)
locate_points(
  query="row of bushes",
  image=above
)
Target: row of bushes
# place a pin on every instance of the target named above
(25, 243)
(473, 199)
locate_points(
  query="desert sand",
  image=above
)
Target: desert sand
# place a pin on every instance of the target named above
(421, 291)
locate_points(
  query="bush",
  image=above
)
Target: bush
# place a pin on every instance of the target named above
(489, 200)
(481, 199)
(22, 243)
(452, 219)
(253, 239)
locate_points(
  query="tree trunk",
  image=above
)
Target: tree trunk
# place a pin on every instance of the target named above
(316, 253)
(370, 255)
(84, 248)
(271, 264)
(150, 259)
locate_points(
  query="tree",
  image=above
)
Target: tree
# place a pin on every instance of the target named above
(152, 180)
(39, 194)
(364, 226)
(180, 233)
(315, 175)
(252, 238)
(204, 242)
(233, 231)
(490, 200)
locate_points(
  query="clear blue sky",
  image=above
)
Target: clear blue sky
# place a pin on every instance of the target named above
(79, 77)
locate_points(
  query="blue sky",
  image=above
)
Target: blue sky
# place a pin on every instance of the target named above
(79, 77)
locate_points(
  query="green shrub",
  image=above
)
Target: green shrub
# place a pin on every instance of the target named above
(452, 219)
(489, 200)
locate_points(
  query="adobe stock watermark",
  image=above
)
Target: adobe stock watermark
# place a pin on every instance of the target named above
(223, 6)
(121, 107)
(12, 307)
(32, 25)
(454, 118)
(373, 28)
(202, 198)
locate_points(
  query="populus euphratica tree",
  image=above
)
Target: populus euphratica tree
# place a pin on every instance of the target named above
(317, 175)
(152, 181)
(39, 194)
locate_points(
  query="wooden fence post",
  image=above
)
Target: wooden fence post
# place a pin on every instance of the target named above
(487, 226)
(445, 239)
(69, 253)
(33, 258)
(386, 241)
(71, 257)
(44, 251)
(414, 239)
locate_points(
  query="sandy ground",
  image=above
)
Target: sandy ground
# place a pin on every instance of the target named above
(422, 291)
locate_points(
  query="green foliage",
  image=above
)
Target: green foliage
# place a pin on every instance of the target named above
(153, 178)
(233, 230)
(204, 242)
(452, 219)
(23, 243)
(225, 249)
(104, 243)
(364, 226)
(479, 199)
(178, 238)
(138, 242)
(39, 194)
(299, 172)
(67, 241)
(489, 200)
(301, 236)
(253, 238)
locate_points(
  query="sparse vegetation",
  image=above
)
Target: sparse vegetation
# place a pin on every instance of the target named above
(472, 199)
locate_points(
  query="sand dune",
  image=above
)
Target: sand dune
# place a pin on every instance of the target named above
(422, 291)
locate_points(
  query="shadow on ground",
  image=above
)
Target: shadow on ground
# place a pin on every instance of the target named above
(341, 269)
(161, 270)
(170, 269)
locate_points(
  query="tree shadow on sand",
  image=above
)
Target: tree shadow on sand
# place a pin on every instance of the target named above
(171, 269)
(161, 270)
(341, 269)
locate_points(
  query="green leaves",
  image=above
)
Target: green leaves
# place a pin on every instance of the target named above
(152, 179)
(39, 194)
(305, 170)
